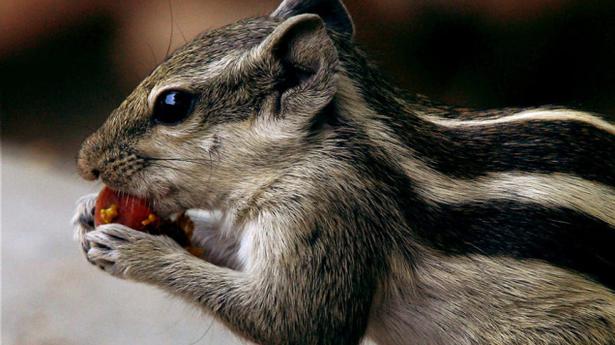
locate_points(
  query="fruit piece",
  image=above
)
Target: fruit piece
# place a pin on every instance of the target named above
(113, 207)
(185, 224)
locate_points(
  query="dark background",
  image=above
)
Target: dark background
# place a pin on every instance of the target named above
(64, 65)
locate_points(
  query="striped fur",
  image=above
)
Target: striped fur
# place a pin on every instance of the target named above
(349, 209)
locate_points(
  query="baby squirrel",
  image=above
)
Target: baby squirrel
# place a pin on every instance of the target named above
(350, 210)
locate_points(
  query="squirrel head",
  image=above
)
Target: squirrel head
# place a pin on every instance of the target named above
(224, 113)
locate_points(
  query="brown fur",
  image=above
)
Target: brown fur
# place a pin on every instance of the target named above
(347, 209)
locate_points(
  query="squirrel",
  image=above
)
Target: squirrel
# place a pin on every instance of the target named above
(349, 209)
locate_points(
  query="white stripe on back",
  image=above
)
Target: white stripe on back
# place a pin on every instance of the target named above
(529, 115)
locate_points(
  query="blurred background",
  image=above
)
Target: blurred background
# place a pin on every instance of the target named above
(64, 65)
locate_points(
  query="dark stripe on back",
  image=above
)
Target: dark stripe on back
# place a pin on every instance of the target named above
(562, 237)
(538, 147)
(535, 147)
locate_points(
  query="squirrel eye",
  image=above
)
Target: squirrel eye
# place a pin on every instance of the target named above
(172, 107)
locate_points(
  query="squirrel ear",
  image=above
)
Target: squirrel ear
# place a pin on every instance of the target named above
(308, 59)
(333, 13)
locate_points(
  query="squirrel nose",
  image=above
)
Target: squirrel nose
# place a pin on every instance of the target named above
(86, 171)
(94, 173)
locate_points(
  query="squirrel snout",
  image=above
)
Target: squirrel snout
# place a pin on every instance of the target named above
(86, 171)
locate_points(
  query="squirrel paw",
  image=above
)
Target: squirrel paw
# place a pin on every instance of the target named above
(130, 254)
(83, 219)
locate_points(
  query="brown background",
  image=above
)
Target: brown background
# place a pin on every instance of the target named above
(64, 65)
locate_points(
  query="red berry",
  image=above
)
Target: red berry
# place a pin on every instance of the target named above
(114, 207)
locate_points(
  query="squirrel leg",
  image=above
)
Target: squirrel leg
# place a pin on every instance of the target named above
(279, 305)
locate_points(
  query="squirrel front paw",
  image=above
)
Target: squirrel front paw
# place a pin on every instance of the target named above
(83, 219)
(126, 253)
